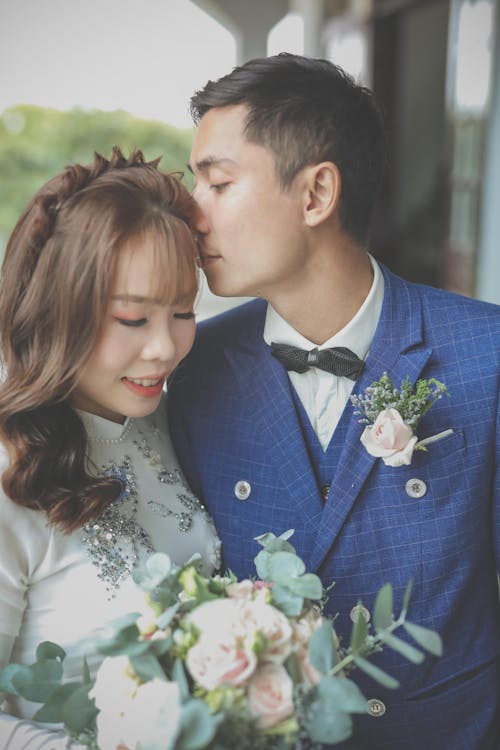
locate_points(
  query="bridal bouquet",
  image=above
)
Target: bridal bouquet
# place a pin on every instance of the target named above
(215, 663)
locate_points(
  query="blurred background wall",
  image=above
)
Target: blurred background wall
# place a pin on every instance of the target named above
(128, 67)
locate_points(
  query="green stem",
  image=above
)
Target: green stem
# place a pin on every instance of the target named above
(376, 640)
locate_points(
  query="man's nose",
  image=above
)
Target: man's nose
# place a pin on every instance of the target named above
(200, 218)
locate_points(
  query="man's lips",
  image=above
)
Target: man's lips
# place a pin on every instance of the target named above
(148, 387)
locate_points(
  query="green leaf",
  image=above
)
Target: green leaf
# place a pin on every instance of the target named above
(359, 634)
(285, 565)
(308, 585)
(198, 726)
(126, 641)
(158, 566)
(382, 611)
(402, 647)
(79, 711)
(51, 711)
(428, 639)
(343, 694)
(179, 675)
(166, 617)
(321, 649)
(6, 675)
(49, 650)
(375, 673)
(147, 667)
(406, 598)
(37, 682)
(262, 565)
(289, 603)
(85, 671)
(273, 543)
(325, 723)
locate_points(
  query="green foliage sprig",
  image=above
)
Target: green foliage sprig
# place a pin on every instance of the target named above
(411, 401)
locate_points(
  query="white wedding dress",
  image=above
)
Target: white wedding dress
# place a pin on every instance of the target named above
(61, 587)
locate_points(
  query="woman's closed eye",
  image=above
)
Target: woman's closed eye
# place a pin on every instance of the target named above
(184, 315)
(132, 322)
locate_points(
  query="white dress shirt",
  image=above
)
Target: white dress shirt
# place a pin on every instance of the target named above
(323, 395)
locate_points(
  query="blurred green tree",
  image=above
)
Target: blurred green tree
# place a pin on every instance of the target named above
(36, 143)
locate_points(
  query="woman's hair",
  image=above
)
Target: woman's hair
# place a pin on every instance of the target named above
(55, 284)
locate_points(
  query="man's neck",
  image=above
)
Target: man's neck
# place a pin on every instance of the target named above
(330, 295)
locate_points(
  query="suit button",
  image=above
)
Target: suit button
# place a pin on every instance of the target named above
(325, 491)
(359, 611)
(242, 490)
(376, 708)
(415, 488)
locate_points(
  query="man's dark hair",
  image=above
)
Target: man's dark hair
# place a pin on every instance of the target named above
(307, 111)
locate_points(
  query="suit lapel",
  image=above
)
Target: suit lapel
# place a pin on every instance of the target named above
(398, 349)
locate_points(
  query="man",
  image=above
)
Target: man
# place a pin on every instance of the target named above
(287, 159)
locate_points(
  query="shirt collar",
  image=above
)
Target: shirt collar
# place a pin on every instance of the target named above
(357, 335)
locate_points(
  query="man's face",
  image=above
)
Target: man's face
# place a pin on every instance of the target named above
(252, 231)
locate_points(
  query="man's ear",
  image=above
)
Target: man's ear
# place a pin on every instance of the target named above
(323, 185)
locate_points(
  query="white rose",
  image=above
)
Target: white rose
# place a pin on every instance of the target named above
(273, 625)
(151, 720)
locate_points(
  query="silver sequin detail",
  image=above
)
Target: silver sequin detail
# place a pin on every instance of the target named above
(185, 497)
(116, 542)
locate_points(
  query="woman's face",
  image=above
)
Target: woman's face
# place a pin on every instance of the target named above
(142, 341)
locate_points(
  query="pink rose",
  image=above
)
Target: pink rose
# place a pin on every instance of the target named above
(270, 695)
(213, 664)
(390, 439)
(263, 618)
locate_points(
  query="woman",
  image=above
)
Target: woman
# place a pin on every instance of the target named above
(96, 310)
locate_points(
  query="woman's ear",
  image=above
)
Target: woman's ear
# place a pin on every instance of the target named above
(323, 185)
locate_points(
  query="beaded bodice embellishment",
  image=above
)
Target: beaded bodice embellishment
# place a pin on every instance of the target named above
(116, 542)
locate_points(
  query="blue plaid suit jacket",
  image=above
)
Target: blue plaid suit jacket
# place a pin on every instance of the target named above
(232, 418)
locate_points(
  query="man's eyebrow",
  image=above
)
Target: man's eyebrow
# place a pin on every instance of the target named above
(210, 161)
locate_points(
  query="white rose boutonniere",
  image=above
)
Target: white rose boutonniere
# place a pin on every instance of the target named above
(392, 416)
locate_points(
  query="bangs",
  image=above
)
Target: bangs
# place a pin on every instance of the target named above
(175, 259)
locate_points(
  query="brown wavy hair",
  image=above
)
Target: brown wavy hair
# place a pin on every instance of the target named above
(55, 283)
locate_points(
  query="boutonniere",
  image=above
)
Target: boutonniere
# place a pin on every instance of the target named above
(392, 416)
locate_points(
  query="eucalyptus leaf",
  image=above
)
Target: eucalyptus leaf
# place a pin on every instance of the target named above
(6, 675)
(428, 639)
(37, 682)
(285, 565)
(326, 723)
(343, 694)
(147, 667)
(262, 564)
(383, 609)
(51, 711)
(49, 650)
(289, 603)
(321, 649)
(359, 634)
(406, 598)
(179, 675)
(85, 671)
(124, 641)
(79, 711)
(198, 726)
(402, 647)
(308, 585)
(375, 672)
(166, 617)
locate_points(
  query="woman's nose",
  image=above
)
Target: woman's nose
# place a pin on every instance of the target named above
(160, 346)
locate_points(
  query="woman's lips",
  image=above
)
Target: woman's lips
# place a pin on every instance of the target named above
(148, 387)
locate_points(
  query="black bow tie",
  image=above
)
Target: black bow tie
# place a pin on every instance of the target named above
(338, 360)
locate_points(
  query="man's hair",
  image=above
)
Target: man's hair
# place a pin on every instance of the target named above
(306, 111)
